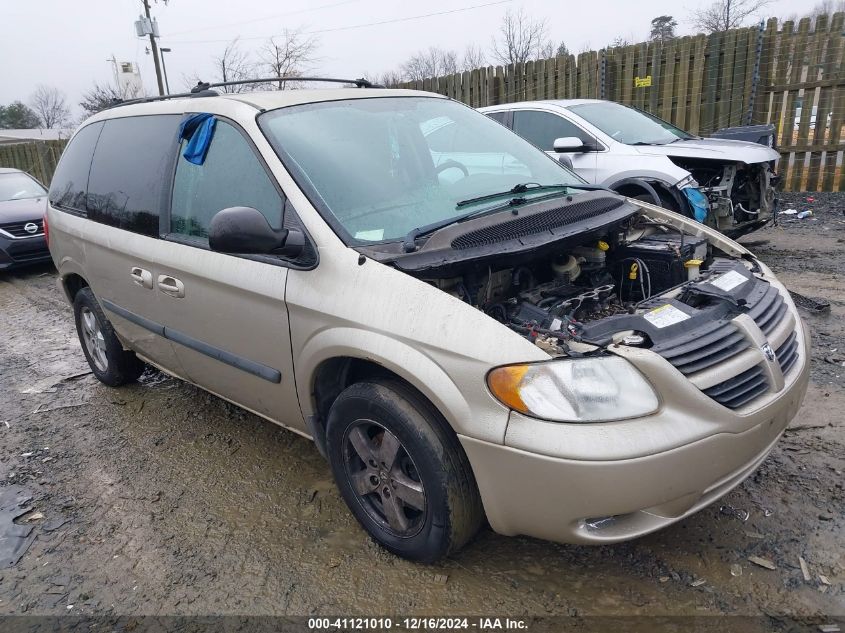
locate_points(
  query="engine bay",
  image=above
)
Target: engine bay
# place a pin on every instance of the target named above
(605, 289)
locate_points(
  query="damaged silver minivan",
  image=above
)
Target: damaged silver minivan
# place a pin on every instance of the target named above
(465, 328)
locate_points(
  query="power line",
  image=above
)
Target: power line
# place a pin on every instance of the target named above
(359, 26)
(266, 18)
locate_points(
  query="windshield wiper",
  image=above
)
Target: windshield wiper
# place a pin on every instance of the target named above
(408, 244)
(523, 187)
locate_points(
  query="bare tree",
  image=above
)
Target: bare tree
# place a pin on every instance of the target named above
(663, 28)
(289, 56)
(828, 7)
(724, 15)
(388, 79)
(433, 62)
(98, 98)
(233, 64)
(50, 106)
(521, 38)
(473, 58)
(547, 50)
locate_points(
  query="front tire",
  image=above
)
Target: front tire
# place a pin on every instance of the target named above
(110, 363)
(401, 471)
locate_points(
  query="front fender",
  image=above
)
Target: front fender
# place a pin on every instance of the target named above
(486, 419)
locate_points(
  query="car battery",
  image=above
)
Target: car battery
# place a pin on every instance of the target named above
(664, 255)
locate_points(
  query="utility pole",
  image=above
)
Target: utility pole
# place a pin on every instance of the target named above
(154, 46)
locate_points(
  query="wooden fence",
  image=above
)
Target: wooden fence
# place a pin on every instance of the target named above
(793, 76)
(38, 158)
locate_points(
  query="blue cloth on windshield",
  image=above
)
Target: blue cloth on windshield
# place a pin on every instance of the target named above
(700, 205)
(198, 129)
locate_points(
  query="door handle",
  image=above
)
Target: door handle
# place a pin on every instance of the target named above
(143, 278)
(171, 286)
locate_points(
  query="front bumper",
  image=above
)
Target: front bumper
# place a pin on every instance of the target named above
(15, 253)
(609, 482)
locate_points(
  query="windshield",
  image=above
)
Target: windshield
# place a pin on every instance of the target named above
(17, 186)
(627, 125)
(385, 166)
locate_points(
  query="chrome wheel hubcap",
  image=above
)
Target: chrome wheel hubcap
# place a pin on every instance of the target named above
(92, 337)
(385, 478)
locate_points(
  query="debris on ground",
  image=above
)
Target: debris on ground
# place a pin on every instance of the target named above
(824, 579)
(441, 579)
(809, 303)
(14, 539)
(49, 384)
(697, 583)
(738, 513)
(789, 212)
(829, 628)
(805, 569)
(35, 516)
(736, 569)
(762, 562)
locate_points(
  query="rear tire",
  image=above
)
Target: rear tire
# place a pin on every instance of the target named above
(402, 471)
(110, 363)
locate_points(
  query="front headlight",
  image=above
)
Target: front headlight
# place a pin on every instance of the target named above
(574, 389)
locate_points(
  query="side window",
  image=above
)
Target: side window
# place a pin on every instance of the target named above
(542, 128)
(70, 182)
(498, 117)
(131, 171)
(230, 176)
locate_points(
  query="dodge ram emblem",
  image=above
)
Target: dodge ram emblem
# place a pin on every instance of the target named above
(768, 352)
(30, 227)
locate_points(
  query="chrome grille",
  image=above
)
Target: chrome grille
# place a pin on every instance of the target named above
(17, 230)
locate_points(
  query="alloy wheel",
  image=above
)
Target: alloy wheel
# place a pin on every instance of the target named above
(92, 336)
(385, 478)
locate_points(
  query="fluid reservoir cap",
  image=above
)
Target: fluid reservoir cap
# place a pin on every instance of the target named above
(691, 263)
(633, 340)
(603, 246)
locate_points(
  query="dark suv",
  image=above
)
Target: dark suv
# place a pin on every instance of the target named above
(23, 201)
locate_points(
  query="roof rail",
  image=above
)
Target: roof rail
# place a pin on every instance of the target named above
(204, 89)
(359, 83)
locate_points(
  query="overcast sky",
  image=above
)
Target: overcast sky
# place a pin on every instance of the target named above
(67, 44)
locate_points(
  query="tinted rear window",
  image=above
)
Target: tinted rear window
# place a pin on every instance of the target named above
(70, 181)
(132, 172)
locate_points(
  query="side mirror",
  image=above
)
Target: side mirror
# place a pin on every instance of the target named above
(568, 144)
(566, 161)
(244, 230)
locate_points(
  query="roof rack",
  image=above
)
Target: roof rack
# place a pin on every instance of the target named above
(204, 89)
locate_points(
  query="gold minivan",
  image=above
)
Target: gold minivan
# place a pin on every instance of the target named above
(465, 328)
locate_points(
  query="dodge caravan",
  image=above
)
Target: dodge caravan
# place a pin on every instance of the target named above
(467, 330)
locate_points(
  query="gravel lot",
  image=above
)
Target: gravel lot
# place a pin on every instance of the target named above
(161, 499)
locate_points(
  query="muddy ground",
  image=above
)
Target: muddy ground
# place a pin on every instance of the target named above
(161, 499)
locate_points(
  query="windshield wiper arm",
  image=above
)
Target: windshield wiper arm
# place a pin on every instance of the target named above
(523, 187)
(408, 244)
